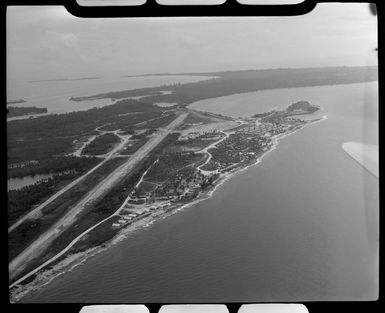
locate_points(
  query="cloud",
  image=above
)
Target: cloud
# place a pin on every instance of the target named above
(43, 40)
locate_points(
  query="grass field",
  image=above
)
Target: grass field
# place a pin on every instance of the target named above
(101, 144)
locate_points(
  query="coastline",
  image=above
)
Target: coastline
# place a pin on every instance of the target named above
(71, 261)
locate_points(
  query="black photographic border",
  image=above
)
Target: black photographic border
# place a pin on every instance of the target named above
(152, 9)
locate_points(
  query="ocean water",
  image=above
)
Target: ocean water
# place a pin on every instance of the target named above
(54, 95)
(301, 225)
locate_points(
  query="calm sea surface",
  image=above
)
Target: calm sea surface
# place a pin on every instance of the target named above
(301, 225)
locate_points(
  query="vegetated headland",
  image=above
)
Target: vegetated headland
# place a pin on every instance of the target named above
(124, 165)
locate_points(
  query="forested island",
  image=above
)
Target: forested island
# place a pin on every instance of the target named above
(231, 82)
(21, 111)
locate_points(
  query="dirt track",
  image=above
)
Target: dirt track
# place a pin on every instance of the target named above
(42, 243)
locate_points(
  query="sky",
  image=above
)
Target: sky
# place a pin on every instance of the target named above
(48, 42)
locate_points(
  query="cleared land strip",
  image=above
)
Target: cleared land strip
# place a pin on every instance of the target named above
(73, 242)
(36, 212)
(42, 243)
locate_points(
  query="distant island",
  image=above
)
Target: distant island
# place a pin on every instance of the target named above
(22, 111)
(64, 79)
(233, 82)
(16, 101)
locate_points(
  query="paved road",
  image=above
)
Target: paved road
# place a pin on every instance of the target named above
(40, 245)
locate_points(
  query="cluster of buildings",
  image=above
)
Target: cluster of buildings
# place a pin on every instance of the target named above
(285, 125)
(257, 128)
(129, 215)
(242, 146)
(278, 122)
(183, 186)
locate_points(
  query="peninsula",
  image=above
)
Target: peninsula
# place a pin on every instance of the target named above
(167, 159)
